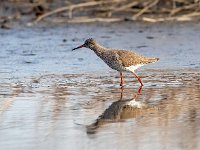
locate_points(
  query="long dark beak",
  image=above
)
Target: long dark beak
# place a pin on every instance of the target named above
(78, 47)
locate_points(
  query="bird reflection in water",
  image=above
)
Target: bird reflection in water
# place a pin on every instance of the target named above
(120, 110)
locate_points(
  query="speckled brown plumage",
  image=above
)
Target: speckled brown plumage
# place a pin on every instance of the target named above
(130, 58)
(118, 59)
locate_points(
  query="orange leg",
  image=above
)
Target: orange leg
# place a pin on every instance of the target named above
(138, 93)
(122, 92)
(138, 78)
(122, 81)
(140, 90)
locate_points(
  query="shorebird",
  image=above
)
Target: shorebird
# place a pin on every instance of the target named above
(118, 59)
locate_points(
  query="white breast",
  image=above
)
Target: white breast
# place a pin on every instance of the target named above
(133, 68)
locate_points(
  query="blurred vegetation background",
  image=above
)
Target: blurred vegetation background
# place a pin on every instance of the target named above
(76, 11)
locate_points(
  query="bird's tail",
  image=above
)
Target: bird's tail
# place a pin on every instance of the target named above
(152, 60)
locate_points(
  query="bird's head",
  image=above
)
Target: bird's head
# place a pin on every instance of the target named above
(89, 43)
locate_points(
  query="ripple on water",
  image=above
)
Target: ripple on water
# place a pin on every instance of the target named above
(75, 104)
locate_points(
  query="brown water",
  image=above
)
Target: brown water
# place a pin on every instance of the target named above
(52, 98)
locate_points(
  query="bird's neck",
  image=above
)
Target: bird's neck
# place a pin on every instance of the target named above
(99, 50)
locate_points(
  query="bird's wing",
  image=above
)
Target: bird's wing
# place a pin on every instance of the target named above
(129, 58)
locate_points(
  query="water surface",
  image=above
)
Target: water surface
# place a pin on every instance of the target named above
(53, 98)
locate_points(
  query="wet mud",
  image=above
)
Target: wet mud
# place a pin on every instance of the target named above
(53, 98)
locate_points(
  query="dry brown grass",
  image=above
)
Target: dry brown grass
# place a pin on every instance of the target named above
(102, 10)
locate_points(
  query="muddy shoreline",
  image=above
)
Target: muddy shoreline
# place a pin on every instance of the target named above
(53, 98)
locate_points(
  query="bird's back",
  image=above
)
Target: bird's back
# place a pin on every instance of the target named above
(129, 58)
(119, 59)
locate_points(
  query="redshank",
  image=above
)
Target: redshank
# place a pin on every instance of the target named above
(119, 59)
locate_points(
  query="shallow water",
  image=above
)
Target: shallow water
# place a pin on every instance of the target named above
(52, 98)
